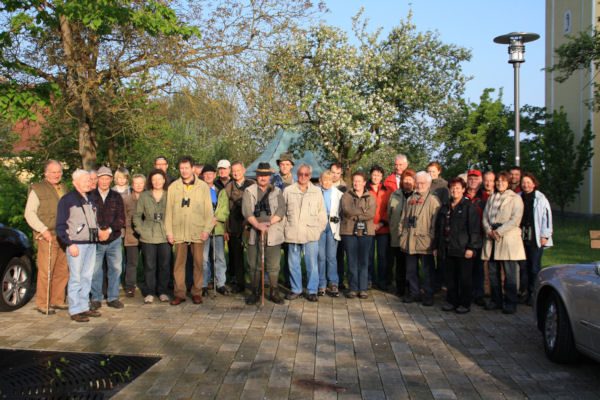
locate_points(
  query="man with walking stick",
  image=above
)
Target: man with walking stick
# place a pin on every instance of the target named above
(40, 214)
(264, 208)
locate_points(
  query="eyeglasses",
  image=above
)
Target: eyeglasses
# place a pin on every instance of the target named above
(303, 174)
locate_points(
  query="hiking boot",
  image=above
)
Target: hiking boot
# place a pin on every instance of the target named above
(333, 290)
(94, 305)
(252, 299)
(276, 297)
(91, 313)
(79, 317)
(312, 297)
(115, 304)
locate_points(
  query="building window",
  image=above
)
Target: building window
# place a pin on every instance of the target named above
(567, 22)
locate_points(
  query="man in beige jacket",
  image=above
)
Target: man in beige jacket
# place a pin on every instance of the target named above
(189, 220)
(306, 218)
(416, 232)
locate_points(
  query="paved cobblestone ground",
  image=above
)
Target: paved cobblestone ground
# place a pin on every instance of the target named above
(378, 348)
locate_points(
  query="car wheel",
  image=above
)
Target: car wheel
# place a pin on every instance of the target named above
(558, 336)
(17, 287)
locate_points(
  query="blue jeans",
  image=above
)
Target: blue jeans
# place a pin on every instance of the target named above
(114, 257)
(81, 269)
(382, 242)
(311, 261)
(327, 258)
(357, 250)
(412, 273)
(530, 267)
(214, 242)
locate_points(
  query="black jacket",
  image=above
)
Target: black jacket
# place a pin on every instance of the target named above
(465, 233)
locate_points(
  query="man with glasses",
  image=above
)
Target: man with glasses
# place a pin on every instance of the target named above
(306, 218)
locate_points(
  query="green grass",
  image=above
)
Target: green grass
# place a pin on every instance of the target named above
(572, 241)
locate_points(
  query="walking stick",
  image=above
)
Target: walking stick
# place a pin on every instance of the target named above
(214, 264)
(49, 276)
(262, 269)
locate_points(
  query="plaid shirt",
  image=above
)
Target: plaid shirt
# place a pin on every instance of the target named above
(110, 213)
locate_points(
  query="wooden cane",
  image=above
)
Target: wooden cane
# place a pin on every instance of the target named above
(49, 276)
(262, 268)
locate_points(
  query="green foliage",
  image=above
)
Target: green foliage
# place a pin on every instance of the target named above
(13, 196)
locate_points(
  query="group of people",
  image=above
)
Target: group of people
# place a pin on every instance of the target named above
(382, 229)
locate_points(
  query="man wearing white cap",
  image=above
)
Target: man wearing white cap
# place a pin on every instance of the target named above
(224, 170)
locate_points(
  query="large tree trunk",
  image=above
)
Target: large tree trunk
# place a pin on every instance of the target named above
(87, 148)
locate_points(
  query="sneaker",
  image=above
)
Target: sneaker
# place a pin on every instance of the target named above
(351, 295)
(293, 296)
(163, 298)
(79, 318)
(321, 292)
(93, 314)
(363, 295)
(94, 305)
(148, 299)
(115, 304)
(312, 297)
(462, 310)
(448, 307)
(333, 290)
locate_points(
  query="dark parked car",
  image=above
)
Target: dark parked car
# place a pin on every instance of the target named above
(16, 269)
(567, 308)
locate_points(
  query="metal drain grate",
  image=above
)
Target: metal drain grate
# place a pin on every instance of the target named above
(28, 374)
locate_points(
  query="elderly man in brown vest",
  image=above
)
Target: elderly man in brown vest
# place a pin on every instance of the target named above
(40, 214)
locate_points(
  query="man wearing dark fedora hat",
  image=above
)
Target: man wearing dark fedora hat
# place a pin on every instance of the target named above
(264, 208)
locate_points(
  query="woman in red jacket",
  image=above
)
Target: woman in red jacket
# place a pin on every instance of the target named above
(382, 229)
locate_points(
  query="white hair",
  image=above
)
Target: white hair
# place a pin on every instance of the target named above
(305, 166)
(401, 157)
(423, 173)
(78, 173)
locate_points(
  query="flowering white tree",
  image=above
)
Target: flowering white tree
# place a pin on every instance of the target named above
(349, 100)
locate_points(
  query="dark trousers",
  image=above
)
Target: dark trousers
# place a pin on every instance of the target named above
(459, 280)
(341, 266)
(412, 273)
(478, 275)
(286, 268)
(399, 258)
(357, 249)
(381, 242)
(530, 267)
(132, 254)
(511, 278)
(157, 260)
(236, 270)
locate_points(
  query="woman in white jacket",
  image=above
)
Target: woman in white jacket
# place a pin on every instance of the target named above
(328, 242)
(536, 228)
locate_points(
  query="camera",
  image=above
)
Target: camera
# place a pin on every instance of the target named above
(94, 235)
(262, 206)
(334, 219)
(359, 226)
(527, 234)
(412, 221)
(185, 202)
(158, 217)
(495, 226)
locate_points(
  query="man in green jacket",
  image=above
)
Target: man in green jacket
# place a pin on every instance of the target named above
(214, 249)
(189, 219)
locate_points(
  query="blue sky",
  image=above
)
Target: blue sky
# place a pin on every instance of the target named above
(472, 24)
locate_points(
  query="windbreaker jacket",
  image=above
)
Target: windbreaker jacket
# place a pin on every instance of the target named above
(395, 207)
(131, 236)
(275, 234)
(419, 239)
(356, 209)
(74, 217)
(542, 219)
(334, 211)
(187, 222)
(505, 209)
(390, 182)
(221, 212)
(382, 196)
(465, 231)
(149, 218)
(306, 216)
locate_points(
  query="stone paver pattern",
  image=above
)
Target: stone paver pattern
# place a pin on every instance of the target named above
(379, 348)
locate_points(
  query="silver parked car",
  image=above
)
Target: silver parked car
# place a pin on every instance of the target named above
(567, 308)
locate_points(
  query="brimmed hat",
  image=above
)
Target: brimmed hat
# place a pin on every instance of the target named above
(264, 169)
(223, 164)
(285, 157)
(208, 168)
(474, 172)
(104, 171)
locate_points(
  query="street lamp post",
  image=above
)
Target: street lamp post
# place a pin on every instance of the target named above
(516, 51)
